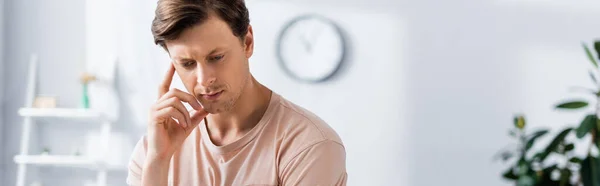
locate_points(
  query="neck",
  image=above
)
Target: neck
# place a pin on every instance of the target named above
(249, 108)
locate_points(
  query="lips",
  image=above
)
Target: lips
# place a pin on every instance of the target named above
(212, 96)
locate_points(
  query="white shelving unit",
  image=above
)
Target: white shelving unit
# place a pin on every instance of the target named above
(60, 113)
(99, 163)
(56, 160)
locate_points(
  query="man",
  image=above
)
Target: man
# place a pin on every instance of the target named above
(239, 131)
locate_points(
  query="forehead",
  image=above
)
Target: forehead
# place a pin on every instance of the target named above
(201, 39)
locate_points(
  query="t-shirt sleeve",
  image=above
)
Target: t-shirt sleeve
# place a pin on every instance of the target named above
(323, 163)
(136, 162)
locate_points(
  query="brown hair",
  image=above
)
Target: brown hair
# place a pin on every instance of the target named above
(174, 16)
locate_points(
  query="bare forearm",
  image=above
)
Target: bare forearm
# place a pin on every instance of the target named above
(155, 172)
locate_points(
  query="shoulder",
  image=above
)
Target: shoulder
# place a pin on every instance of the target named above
(303, 124)
(299, 129)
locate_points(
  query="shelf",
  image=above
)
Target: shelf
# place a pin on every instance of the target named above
(62, 161)
(60, 113)
(54, 160)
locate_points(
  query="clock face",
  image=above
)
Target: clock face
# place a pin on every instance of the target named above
(311, 48)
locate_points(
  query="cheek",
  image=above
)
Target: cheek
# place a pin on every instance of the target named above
(189, 84)
(188, 79)
(236, 72)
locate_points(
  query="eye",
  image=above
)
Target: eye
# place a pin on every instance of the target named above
(216, 58)
(188, 64)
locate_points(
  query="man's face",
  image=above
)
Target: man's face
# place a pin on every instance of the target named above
(212, 63)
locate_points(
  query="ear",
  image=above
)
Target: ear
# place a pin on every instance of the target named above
(249, 42)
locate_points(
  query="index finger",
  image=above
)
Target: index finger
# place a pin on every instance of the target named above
(166, 84)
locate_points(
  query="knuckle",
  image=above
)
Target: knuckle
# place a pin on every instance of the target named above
(155, 116)
(169, 94)
(174, 100)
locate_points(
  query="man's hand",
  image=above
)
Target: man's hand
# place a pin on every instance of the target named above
(170, 124)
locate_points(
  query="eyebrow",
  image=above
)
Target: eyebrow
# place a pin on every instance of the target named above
(176, 58)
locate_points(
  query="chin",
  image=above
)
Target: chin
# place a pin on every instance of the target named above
(214, 108)
(218, 106)
(211, 109)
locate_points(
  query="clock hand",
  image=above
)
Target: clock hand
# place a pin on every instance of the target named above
(308, 40)
(307, 44)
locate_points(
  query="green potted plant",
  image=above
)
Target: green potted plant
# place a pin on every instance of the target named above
(533, 168)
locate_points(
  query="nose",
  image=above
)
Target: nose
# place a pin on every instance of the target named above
(205, 75)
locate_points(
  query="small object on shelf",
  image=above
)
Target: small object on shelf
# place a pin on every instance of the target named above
(46, 151)
(89, 183)
(85, 100)
(86, 78)
(77, 152)
(57, 160)
(44, 102)
(60, 113)
(36, 183)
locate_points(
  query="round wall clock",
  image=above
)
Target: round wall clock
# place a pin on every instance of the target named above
(311, 48)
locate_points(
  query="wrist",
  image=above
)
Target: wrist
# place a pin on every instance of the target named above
(158, 159)
(158, 156)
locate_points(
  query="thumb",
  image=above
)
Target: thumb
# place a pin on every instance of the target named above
(197, 116)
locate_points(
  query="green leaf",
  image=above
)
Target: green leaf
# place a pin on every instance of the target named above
(537, 134)
(590, 55)
(589, 171)
(586, 125)
(569, 147)
(523, 167)
(549, 169)
(538, 156)
(597, 48)
(533, 137)
(575, 160)
(553, 146)
(572, 105)
(509, 174)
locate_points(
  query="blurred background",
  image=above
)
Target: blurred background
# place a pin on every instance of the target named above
(425, 96)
